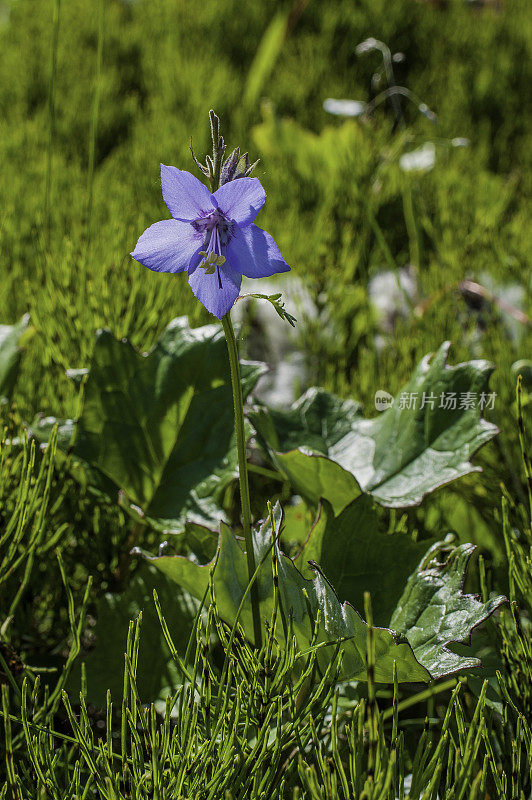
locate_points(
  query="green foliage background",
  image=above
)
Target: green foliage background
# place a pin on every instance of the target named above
(95, 95)
(163, 63)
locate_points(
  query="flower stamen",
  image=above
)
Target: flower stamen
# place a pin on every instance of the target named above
(212, 257)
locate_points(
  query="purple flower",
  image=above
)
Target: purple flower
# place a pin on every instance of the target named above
(212, 236)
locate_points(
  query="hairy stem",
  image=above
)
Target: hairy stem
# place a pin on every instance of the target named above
(243, 471)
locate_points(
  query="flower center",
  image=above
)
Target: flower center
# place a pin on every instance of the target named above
(217, 230)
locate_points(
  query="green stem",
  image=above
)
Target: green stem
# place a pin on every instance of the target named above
(420, 697)
(94, 119)
(266, 473)
(411, 225)
(51, 115)
(238, 404)
(385, 250)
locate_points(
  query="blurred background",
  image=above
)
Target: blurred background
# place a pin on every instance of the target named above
(404, 211)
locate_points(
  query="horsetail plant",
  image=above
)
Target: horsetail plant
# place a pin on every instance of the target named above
(261, 727)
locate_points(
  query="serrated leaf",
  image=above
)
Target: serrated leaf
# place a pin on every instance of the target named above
(157, 673)
(10, 354)
(433, 611)
(397, 457)
(356, 557)
(160, 425)
(302, 599)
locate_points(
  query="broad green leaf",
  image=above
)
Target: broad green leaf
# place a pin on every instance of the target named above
(301, 599)
(88, 476)
(11, 337)
(492, 661)
(201, 542)
(299, 442)
(157, 673)
(160, 425)
(299, 519)
(397, 457)
(356, 557)
(434, 613)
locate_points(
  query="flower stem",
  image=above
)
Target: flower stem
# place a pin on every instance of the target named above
(238, 404)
